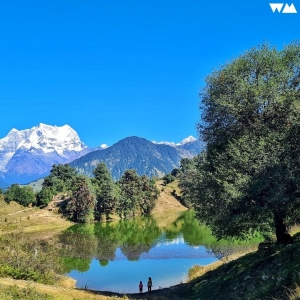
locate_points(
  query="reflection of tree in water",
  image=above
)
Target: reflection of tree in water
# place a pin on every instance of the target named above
(193, 233)
(196, 234)
(224, 248)
(108, 241)
(137, 236)
(79, 241)
(100, 240)
(103, 262)
(75, 263)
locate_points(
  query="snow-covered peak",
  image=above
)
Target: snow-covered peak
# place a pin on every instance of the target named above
(187, 140)
(103, 146)
(165, 143)
(43, 137)
(184, 141)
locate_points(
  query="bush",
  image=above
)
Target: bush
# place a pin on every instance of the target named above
(168, 179)
(21, 258)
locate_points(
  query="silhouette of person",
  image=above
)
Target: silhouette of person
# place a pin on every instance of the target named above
(141, 287)
(149, 285)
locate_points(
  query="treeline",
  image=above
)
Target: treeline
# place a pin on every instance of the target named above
(88, 199)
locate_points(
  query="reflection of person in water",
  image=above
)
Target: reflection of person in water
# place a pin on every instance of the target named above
(149, 285)
(141, 287)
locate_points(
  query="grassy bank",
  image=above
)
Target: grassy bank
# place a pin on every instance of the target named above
(270, 273)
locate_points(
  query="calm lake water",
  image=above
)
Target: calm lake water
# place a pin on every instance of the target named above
(116, 257)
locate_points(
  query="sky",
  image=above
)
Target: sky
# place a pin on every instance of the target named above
(118, 68)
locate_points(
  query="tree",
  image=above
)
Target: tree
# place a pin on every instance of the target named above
(149, 194)
(61, 178)
(188, 178)
(249, 178)
(80, 208)
(22, 195)
(106, 191)
(44, 196)
(137, 194)
(130, 184)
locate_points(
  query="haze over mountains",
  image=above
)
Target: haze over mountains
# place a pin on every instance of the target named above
(29, 154)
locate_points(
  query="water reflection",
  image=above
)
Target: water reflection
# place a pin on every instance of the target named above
(116, 256)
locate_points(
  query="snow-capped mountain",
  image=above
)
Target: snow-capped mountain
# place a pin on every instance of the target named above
(187, 140)
(184, 141)
(26, 155)
(29, 154)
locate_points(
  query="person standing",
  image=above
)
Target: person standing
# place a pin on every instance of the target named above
(141, 287)
(149, 285)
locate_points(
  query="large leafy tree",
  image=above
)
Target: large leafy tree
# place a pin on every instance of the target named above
(131, 192)
(249, 178)
(106, 191)
(80, 207)
(137, 194)
(149, 194)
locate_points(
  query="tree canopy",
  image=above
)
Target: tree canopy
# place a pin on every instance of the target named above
(86, 199)
(106, 191)
(137, 194)
(248, 180)
(22, 195)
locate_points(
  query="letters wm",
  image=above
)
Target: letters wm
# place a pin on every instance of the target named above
(287, 9)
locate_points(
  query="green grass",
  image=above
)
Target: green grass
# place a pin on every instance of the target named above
(270, 275)
(14, 292)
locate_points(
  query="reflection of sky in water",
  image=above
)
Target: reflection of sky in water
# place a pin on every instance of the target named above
(167, 263)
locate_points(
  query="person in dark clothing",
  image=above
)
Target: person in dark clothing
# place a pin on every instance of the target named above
(149, 285)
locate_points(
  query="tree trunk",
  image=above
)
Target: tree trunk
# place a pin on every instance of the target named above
(282, 235)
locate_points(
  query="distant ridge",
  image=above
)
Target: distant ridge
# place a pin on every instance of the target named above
(146, 157)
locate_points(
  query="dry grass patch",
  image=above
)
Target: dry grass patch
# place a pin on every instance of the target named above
(167, 207)
(14, 215)
(57, 292)
(166, 202)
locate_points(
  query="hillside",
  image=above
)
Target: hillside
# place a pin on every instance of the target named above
(30, 219)
(136, 153)
(166, 204)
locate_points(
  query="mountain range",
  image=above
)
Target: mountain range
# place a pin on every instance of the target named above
(29, 154)
(147, 158)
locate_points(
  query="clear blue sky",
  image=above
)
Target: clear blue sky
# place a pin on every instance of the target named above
(118, 68)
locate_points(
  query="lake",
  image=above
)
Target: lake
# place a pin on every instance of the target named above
(117, 256)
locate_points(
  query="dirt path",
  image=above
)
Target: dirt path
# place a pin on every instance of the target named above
(20, 211)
